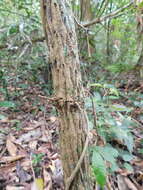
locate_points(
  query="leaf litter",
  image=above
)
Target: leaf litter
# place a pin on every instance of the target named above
(29, 157)
(29, 150)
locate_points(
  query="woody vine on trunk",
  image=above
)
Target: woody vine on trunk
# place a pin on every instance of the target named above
(68, 97)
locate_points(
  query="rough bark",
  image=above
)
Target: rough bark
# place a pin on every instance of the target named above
(85, 16)
(68, 97)
(139, 16)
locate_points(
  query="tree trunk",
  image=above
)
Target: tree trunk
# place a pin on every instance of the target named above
(139, 64)
(86, 12)
(68, 97)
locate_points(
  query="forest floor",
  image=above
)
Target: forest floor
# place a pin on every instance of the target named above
(29, 147)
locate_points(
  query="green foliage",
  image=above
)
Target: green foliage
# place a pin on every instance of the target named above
(128, 167)
(13, 29)
(36, 161)
(99, 168)
(2, 117)
(7, 104)
(110, 127)
(141, 151)
(100, 156)
(37, 158)
(120, 67)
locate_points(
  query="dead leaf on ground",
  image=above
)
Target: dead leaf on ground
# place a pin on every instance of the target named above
(2, 138)
(30, 136)
(57, 172)
(7, 159)
(47, 180)
(33, 125)
(11, 147)
(5, 120)
(52, 119)
(8, 168)
(121, 183)
(22, 174)
(124, 172)
(26, 164)
(137, 162)
(45, 148)
(9, 187)
(33, 145)
(130, 185)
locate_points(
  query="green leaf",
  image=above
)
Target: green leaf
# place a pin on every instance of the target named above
(13, 29)
(141, 151)
(127, 157)
(113, 97)
(99, 168)
(90, 125)
(2, 117)
(128, 167)
(109, 154)
(7, 104)
(138, 103)
(88, 103)
(120, 108)
(140, 5)
(129, 141)
(114, 91)
(97, 97)
(96, 85)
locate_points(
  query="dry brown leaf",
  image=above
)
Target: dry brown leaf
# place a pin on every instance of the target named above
(26, 164)
(11, 147)
(45, 148)
(2, 138)
(137, 162)
(33, 125)
(34, 186)
(130, 185)
(5, 120)
(33, 145)
(30, 136)
(10, 167)
(140, 177)
(22, 174)
(57, 172)
(121, 183)
(46, 135)
(9, 187)
(124, 172)
(52, 119)
(6, 159)
(47, 180)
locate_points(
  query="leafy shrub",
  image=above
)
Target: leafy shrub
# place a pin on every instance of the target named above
(112, 124)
